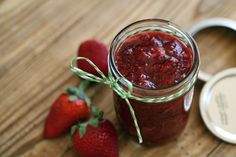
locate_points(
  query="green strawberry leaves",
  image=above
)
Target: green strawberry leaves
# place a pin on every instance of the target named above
(82, 127)
(73, 98)
(96, 114)
(72, 91)
(78, 91)
(83, 85)
(73, 129)
(94, 121)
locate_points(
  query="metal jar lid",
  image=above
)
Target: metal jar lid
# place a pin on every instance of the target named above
(218, 96)
(214, 22)
(218, 105)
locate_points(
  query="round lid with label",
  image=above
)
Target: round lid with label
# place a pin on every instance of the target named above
(218, 105)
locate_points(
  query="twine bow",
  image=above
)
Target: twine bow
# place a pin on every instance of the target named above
(126, 95)
(113, 84)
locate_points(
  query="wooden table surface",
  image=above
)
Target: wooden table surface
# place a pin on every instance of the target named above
(38, 39)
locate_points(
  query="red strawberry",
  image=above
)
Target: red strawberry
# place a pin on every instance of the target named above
(66, 111)
(97, 52)
(96, 141)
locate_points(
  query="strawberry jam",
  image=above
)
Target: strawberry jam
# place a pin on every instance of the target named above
(154, 60)
(162, 63)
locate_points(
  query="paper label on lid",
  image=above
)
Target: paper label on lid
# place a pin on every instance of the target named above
(222, 104)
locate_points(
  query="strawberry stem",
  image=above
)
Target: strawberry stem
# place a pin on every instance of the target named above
(84, 85)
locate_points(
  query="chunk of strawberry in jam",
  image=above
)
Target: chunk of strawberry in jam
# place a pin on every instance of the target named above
(154, 59)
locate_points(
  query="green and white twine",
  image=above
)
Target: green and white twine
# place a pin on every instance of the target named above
(114, 85)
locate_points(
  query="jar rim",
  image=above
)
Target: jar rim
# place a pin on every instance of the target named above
(195, 65)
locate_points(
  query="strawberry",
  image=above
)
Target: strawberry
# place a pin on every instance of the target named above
(66, 111)
(95, 138)
(97, 52)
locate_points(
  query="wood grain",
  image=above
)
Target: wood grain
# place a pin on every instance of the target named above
(37, 40)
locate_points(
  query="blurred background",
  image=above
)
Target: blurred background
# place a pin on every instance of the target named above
(38, 38)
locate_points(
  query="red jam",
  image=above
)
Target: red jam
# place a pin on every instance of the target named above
(154, 60)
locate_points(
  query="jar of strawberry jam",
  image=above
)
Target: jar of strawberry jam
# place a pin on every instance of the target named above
(162, 62)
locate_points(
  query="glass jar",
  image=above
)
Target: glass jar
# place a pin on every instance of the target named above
(162, 121)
